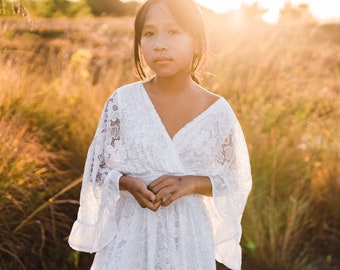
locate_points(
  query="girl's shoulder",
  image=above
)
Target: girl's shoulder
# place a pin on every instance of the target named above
(215, 100)
(126, 93)
(220, 108)
(127, 89)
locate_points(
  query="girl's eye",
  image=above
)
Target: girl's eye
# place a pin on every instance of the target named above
(148, 34)
(173, 32)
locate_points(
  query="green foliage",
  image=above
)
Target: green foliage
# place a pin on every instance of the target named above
(113, 7)
(282, 82)
(47, 8)
(57, 8)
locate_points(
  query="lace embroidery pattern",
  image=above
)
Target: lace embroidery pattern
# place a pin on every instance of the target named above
(114, 132)
(227, 154)
(129, 140)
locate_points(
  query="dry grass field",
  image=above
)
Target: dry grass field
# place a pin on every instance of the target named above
(283, 82)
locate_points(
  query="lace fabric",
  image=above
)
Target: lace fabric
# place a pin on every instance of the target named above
(191, 232)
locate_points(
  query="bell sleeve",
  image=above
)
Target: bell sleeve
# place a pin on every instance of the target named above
(231, 184)
(95, 223)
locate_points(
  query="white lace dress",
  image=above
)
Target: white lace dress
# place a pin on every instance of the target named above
(194, 230)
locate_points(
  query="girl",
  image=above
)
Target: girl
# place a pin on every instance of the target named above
(167, 175)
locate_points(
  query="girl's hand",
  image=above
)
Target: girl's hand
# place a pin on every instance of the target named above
(169, 188)
(139, 190)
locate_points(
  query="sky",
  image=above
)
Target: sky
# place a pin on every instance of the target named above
(323, 10)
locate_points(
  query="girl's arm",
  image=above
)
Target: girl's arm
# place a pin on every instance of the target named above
(100, 186)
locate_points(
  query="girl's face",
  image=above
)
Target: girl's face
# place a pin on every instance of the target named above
(167, 49)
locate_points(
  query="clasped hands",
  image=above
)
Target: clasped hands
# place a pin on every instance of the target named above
(160, 192)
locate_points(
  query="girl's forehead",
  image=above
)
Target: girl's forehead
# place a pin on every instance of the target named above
(159, 13)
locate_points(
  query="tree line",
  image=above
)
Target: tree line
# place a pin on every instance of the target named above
(80, 8)
(67, 8)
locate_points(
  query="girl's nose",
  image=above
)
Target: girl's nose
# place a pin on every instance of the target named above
(160, 43)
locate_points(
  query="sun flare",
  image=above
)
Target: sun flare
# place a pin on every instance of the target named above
(325, 10)
(219, 6)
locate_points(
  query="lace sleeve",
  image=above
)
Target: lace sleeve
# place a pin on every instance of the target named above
(100, 186)
(231, 181)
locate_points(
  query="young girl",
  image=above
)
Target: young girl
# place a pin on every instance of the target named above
(167, 175)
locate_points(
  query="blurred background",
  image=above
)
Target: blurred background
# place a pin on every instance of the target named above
(276, 62)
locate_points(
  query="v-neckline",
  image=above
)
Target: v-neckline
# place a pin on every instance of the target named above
(180, 130)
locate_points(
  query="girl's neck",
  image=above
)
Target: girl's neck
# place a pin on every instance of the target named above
(171, 86)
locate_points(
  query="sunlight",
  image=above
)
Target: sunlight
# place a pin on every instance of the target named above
(321, 10)
(326, 10)
(273, 13)
(219, 6)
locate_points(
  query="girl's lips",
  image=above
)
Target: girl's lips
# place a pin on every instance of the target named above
(161, 59)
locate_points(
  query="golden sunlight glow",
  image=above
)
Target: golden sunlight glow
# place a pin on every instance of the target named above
(219, 6)
(321, 10)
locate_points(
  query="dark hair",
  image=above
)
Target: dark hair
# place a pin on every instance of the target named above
(188, 15)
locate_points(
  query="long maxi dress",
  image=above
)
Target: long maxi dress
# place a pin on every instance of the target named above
(194, 230)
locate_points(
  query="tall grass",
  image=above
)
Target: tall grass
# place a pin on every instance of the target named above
(282, 81)
(29, 174)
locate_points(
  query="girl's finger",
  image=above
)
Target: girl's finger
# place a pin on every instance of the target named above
(171, 199)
